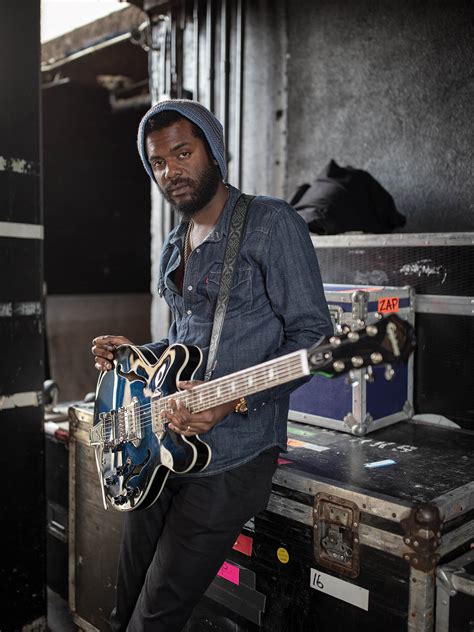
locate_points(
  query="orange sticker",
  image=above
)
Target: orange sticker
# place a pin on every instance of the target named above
(388, 305)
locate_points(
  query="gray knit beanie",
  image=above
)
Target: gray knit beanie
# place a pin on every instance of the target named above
(197, 114)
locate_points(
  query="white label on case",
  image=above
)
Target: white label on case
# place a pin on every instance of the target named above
(340, 589)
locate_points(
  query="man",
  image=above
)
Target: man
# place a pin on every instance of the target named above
(172, 551)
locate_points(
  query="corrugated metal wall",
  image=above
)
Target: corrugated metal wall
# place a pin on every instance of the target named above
(230, 56)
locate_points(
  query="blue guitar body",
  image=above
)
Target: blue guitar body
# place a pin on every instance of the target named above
(133, 472)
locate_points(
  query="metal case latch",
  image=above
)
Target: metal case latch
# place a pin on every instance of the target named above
(336, 534)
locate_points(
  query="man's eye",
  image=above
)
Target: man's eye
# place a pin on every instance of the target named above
(184, 154)
(158, 164)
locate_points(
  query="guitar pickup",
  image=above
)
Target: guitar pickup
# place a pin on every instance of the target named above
(133, 426)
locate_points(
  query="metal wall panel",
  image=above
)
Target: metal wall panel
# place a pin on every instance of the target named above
(22, 506)
(212, 52)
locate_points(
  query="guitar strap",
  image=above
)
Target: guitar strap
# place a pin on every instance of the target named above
(236, 230)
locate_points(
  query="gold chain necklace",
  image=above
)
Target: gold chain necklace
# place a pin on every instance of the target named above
(187, 243)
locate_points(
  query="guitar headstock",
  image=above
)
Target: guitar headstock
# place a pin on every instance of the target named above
(388, 341)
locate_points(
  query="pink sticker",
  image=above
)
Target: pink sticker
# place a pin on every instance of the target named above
(283, 461)
(230, 572)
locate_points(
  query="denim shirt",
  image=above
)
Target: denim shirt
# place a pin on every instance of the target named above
(276, 306)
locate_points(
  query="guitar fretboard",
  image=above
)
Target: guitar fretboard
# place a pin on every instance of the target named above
(246, 382)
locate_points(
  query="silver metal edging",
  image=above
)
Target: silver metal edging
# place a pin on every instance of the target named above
(21, 231)
(452, 540)
(434, 304)
(399, 240)
(456, 502)
(369, 536)
(382, 507)
(421, 601)
(20, 400)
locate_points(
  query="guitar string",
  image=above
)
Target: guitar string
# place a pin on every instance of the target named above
(206, 393)
(206, 397)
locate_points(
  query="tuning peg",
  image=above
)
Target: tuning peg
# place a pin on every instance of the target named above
(389, 372)
(353, 336)
(376, 357)
(369, 375)
(357, 361)
(334, 341)
(339, 366)
(371, 330)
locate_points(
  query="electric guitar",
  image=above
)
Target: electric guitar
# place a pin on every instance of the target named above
(134, 448)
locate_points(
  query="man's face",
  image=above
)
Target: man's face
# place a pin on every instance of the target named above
(183, 170)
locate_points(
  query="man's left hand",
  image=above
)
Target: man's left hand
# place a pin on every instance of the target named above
(188, 424)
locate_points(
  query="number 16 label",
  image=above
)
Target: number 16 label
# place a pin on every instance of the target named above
(340, 589)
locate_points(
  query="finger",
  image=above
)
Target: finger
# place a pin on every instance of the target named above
(189, 384)
(102, 365)
(103, 352)
(112, 340)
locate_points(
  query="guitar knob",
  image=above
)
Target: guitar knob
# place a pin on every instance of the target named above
(353, 336)
(111, 480)
(339, 366)
(357, 361)
(376, 357)
(389, 373)
(334, 341)
(371, 330)
(120, 500)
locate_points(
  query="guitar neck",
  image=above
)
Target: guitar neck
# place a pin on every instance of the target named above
(246, 382)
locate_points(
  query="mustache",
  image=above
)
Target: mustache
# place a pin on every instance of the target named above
(178, 183)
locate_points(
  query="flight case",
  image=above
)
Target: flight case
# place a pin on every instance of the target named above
(367, 399)
(440, 268)
(94, 533)
(353, 534)
(455, 595)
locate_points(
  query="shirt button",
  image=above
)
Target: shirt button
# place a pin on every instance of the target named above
(189, 312)
(190, 287)
(198, 249)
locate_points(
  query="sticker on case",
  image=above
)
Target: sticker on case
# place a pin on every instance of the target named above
(345, 591)
(388, 305)
(380, 463)
(283, 555)
(296, 443)
(243, 544)
(230, 572)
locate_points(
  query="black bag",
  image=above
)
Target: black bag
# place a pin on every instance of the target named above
(344, 199)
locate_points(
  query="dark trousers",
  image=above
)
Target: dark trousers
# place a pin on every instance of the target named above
(172, 551)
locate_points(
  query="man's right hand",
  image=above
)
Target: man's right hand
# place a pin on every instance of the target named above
(103, 348)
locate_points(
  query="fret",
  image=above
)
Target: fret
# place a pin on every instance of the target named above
(245, 382)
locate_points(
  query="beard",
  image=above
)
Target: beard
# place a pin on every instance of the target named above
(202, 190)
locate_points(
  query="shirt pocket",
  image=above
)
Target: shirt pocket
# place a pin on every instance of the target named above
(168, 295)
(240, 296)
